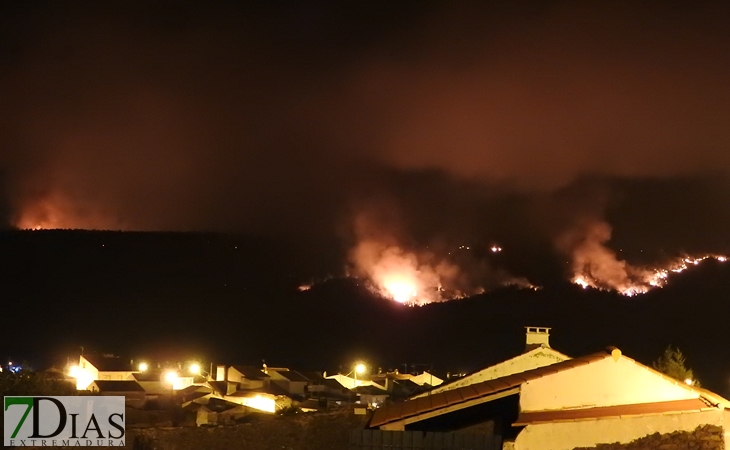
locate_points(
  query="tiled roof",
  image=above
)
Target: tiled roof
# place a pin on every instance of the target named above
(440, 400)
(118, 386)
(694, 404)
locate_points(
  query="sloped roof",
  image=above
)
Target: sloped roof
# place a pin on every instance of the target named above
(271, 389)
(312, 375)
(118, 386)
(330, 383)
(293, 375)
(369, 390)
(108, 363)
(151, 375)
(693, 404)
(474, 391)
(445, 385)
(251, 372)
(193, 392)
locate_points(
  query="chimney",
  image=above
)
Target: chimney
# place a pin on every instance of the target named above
(221, 373)
(537, 337)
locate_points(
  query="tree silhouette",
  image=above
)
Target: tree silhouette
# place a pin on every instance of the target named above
(672, 363)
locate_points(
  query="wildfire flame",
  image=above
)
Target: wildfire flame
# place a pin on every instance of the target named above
(398, 274)
(596, 266)
(56, 210)
(642, 280)
(401, 291)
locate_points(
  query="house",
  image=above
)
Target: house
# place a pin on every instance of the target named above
(403, 389)
(350, 382)
(426, 378)
(383, 380)
(271, 398)
(604, 397)
(132, 392)
(194, 393)
(370, 396)
(538, 353)
(327, 388)
(214, 411)
(251, 387)
(101, 367)
(153, 383)
(250, 377)
(293, 382)
(611, 398)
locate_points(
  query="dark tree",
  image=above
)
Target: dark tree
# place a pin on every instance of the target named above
(32, 383)
(672, 363)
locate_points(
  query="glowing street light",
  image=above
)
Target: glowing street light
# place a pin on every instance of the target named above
(195, 368)
(360, 368)
(143, 367)
(74, 371)
(689, 381)
(171, 376)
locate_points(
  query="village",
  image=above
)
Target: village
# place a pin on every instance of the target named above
(539, 399)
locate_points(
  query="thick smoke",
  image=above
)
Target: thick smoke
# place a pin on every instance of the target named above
(273, 120)
(597, 266)
(154, 115)
(593, 263)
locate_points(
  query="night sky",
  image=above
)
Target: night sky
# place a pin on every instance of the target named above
(258, 143)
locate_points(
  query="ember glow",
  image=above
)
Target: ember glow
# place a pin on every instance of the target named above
(596, 266)
(55, 210)
(401, 291)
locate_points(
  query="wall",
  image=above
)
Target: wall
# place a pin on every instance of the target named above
(426, 378)
(538, 357)
(602, 383)
(348, 382)
(588, 433)
(115, 375)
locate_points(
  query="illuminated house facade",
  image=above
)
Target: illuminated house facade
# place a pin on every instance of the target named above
(382, 380)
(101, 367)
(291, 381)
(604, 397)
(249, 386)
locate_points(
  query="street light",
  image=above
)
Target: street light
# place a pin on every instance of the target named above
(143, 367)
(359, 369)
(195, 368)
(171, 377)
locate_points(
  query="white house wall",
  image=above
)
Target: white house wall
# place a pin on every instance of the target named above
(588, 433)
(349, 382)
(602, 383)
(533, 359)
(426, 378)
